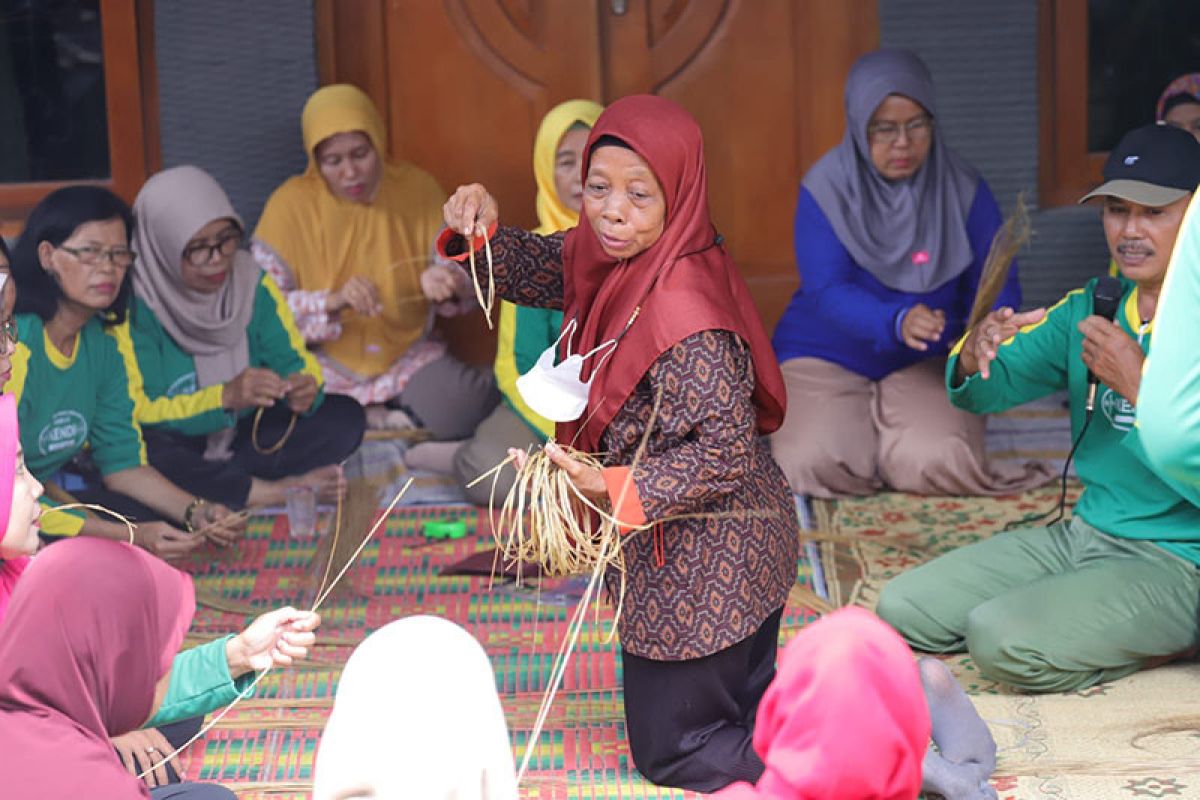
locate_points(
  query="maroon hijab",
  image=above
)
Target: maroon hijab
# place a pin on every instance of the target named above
(684, 283)
(92, 627)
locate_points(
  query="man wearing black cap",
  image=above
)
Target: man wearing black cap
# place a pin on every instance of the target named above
(1116, 587)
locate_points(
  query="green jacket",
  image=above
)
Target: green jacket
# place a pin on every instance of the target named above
(66, 403)
(200, 683)
(163, 376)
(523, 334)
(1124, 495)
(1168, 412)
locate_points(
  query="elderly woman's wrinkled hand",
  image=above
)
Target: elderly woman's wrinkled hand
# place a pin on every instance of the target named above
(471, 210)
(587, 479)
(983, 341)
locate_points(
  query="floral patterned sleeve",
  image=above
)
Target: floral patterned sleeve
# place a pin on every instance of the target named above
(707, 423)
(527, 267)
(308, 307)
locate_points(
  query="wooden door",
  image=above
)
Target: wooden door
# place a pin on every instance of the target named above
(465, 83)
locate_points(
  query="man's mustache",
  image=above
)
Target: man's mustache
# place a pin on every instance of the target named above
(1134, 249)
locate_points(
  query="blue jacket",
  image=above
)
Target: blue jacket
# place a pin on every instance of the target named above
(842, 313)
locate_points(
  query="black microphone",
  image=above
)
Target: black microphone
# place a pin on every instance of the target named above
(1106, 299)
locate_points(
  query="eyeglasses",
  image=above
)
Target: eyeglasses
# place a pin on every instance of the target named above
(92, 255)
(200, 254)
(916, 130)
(8, 332)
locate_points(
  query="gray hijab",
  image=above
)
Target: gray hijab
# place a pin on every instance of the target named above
(910, 234)
(211, 327)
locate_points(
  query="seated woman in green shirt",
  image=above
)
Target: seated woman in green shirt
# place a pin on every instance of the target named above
(216, 348)
(74, 397)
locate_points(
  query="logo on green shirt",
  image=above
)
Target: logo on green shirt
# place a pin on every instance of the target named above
(67, 430)
(1118, 410)
(184, 384)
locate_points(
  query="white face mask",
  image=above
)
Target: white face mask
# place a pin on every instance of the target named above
(555, 390)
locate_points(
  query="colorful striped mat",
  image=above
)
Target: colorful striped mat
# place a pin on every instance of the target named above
(266, 746)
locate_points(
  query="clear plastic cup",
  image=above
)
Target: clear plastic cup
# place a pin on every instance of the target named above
(302, 512)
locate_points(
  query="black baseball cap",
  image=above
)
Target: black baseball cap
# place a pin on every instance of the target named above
(1153, 165)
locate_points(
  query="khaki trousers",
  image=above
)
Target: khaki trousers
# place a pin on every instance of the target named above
(848, 435)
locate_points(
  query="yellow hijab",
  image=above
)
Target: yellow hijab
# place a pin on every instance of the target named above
(326, 240)
(553, 216)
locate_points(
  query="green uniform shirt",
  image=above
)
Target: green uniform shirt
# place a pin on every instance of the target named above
(1168, 410)
(165, 376)
(67, 402)
(523, 335)
(1123, 494)
(200, 683)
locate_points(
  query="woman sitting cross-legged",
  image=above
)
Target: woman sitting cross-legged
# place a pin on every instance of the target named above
(350, 242)
(216, 348)
(75, 399)
(892, 231)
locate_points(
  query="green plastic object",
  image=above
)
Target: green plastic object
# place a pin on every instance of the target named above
(444, 528)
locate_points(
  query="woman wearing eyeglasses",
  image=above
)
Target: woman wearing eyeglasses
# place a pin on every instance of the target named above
(215, 345)
(892, 229)
(75, 399)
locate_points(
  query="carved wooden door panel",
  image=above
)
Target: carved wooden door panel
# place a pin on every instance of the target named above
(464, 85)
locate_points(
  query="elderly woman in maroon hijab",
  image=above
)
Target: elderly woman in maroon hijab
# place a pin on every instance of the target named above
(645, 278)
(87, 651)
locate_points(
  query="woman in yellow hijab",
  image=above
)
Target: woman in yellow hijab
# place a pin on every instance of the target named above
(350, 243)
(524, 333)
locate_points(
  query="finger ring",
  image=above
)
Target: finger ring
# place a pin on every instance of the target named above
(151, 749)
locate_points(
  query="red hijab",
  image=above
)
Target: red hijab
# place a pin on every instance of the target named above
(92, 627)
(685, 282)
(844, 719)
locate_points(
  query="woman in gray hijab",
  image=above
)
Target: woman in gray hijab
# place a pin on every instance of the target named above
(891, 232)
(215, 343)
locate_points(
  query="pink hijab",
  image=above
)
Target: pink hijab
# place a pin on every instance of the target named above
(10, 569)
(93, 625)
(844, 719)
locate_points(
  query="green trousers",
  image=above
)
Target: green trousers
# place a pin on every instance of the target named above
(1050, 609)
